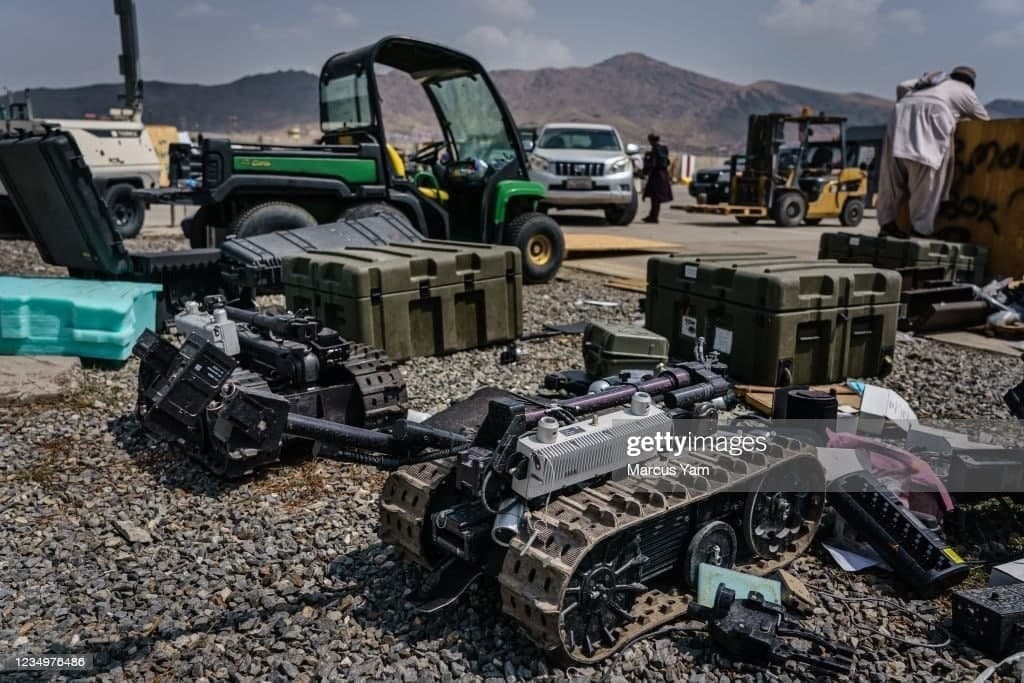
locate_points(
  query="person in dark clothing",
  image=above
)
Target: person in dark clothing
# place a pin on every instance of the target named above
(658, 187)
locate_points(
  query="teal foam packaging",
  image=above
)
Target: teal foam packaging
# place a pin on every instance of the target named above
(67, 317)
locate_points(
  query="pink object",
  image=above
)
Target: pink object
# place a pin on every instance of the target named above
(892, 462)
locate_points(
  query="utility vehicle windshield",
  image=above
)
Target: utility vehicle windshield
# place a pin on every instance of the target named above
(474, 120)
(575, 138)
(345, 103)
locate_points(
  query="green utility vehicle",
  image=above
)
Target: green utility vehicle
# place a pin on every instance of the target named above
(471, 186)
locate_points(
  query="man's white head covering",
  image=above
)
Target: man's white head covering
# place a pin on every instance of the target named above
(926, 81)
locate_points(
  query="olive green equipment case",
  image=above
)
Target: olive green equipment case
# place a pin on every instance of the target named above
(776, 322)
(609, 349)
(959, 262)
(412, 299)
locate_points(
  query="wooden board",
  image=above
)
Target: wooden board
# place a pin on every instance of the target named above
(762, 398)
(973, 340)
(582, 244)
(629, 284)
(987, 198)
(618, 268)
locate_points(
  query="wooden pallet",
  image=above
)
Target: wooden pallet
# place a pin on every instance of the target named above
(725, 210)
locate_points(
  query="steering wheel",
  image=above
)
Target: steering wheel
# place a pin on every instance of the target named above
(427, 156)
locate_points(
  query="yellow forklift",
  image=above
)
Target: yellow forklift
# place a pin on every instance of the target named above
(795, 171)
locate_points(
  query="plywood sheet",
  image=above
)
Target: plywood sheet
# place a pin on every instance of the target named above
(629, 284)
(761, 398)
(973, 340)
(987, 198)
(609, 267)
(581, 244)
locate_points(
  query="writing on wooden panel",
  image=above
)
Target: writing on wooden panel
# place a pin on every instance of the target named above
(986, 204)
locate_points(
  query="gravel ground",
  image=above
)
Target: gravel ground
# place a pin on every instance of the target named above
(110, 545)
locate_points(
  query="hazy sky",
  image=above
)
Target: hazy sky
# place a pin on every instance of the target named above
(842, 45)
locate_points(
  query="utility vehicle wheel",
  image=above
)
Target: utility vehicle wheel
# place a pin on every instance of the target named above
(747, 220)
(790, 210)
(540, 240)
(271, 217)
(812, 221)
(194, 228)
(853, 212)
(127, 212)
(371, 209)
(623, 214)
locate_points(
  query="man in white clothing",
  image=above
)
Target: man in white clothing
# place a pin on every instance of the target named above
(918, 155)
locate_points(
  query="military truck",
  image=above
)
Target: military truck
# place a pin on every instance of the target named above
(473, 185)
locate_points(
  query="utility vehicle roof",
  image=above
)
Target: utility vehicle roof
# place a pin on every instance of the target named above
(418, 58)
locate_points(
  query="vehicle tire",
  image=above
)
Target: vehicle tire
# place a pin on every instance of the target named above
(541, 242)
(371, 209)
(790, 209)
(812, 221)
(747, 220)
(853, 213)
(271, 217)
(127, 212)
(194, 227)
(623, 214)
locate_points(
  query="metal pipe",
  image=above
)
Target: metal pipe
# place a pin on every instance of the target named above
(282, 325)
(337, 434)
(668, 380)
(698, 393)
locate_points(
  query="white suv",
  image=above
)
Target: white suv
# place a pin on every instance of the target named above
(585, 166)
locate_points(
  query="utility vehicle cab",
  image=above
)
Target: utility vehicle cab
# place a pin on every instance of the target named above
(470, 185)
(474, 182)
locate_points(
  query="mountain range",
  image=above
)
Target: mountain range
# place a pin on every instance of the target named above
(637, 94)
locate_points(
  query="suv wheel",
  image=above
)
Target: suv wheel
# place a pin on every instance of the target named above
(623, 214)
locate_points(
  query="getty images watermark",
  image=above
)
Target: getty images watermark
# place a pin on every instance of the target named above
(669, 444)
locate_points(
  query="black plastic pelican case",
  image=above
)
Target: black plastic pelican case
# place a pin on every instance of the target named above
(255, 262)
(52, 189)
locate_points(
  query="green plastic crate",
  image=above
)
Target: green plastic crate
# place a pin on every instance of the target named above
(961, 262)
(66, 317)
(777, 323)
(420, 299)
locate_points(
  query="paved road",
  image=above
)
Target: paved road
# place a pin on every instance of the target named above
(693, 232)
(708, 233)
